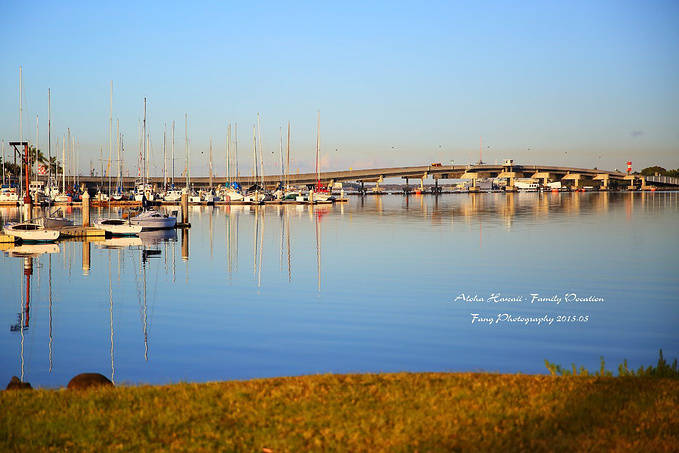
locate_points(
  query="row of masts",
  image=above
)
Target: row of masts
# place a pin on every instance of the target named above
(69, 152)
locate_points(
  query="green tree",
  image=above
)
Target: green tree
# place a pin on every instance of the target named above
(651, 171)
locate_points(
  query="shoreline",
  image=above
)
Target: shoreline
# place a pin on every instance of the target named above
(401, 411)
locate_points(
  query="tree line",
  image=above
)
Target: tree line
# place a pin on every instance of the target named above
(660, 171)
(12, 169)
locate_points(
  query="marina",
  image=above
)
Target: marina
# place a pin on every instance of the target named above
(350, 226)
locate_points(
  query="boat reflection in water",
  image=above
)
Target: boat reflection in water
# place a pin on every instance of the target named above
(28, 252)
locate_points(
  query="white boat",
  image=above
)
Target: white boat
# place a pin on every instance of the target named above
(154, 220)
(173, 195)
(101, 196)
(144, 190)
(526, 186)
(31, 232)
(232, 195)
(195, 198)
(118, 227)
(9, 195)
(63, 198)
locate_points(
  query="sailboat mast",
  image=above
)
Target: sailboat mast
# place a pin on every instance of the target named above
(143, 135)
(110, 139)
(70, 157)
(21, 131)
(280, 151)
(261, 153)
(228, 154)
(254, 155)
(318, 148)
(173, 154)
(186, 149)
(287, 165)
(120, 166)
(63, 165)
(21, 107)
(164, 158)
(235, 150)
(210, 176)
(37, 145)
(49, 139)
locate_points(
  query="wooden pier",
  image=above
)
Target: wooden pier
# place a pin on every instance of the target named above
(80, 232)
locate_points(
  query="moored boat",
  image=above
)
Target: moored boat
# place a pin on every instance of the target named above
(31, 232)
(118, 227)
(154, 220)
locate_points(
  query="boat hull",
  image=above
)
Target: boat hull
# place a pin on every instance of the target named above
(118, 229)
(37, 235)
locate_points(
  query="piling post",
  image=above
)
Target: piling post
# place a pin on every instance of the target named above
(185, 207)
(86, 208)
(311, 196)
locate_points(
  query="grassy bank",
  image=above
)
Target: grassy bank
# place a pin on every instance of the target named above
(403, 411)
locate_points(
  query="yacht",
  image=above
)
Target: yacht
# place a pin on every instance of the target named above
(154, 220)
(118, 227)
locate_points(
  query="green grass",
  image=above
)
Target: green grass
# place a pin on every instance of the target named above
(661, 370)
(377, 412)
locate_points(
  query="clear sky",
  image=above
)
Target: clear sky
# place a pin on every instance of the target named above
(585, 83)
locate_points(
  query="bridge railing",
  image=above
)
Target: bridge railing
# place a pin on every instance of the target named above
(663, 180)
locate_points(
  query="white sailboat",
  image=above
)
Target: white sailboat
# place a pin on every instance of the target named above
(150, 219)
(31, 232)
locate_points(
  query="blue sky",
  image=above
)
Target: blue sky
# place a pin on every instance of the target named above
(588, 83)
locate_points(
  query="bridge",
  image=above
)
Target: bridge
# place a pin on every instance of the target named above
(571, 177)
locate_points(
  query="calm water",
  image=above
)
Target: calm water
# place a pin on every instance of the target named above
(366, 286)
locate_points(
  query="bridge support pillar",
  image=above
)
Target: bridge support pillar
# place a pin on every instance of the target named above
(605, 180)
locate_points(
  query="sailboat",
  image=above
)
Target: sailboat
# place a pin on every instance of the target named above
(118, 227)
(63, 197)
(31, 232)
(254, 196)
(321, 193)
(231, 192)
(51, 220)
(149, 219)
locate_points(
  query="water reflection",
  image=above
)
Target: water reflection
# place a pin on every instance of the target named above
(341, 278)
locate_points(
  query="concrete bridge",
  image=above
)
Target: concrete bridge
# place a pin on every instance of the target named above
(569, 176)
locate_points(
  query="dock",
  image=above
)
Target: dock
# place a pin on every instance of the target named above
(80, 232)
